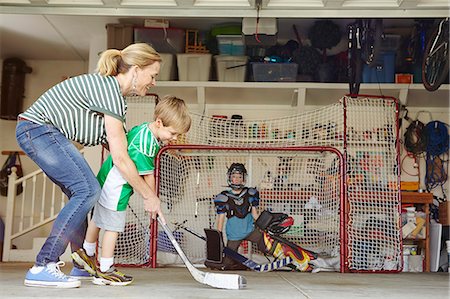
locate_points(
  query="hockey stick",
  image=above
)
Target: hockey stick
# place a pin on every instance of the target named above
(216, 280)
(242, 259)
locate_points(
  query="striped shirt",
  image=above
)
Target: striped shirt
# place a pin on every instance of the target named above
(77, 106)
(142, 148)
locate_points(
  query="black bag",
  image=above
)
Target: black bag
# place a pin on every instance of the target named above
(12, 161)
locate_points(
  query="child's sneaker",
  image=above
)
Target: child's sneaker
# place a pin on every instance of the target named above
(89, 263)
(50, 276)
(79, 272)
(112, 277)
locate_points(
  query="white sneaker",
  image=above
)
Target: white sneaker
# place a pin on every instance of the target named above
(50, 276)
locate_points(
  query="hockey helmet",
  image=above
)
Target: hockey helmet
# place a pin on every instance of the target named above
(237, 168)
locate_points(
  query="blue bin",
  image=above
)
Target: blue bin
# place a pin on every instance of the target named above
(383, 71)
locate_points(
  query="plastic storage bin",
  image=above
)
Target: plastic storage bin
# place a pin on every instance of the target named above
(231, 68)
(164, 40)
(231, 44)
(274, 72)
(194, 67)
(167, 71)
(382, 72)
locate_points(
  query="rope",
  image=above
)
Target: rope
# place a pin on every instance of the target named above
(437, 138)
(415, 138)
(437, 144)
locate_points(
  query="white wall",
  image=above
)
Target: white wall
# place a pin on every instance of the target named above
(46, 73)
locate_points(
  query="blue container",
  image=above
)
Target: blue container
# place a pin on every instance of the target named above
(382, 72)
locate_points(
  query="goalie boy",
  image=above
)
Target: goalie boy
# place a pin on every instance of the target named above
(171, 118)
(239, 205)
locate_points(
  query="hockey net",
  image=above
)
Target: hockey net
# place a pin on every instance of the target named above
(363, 130)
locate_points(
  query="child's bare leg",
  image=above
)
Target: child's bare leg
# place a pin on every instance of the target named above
(108, 245)
(90, 241)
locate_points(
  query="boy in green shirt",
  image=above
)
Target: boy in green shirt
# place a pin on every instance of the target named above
(171, 119)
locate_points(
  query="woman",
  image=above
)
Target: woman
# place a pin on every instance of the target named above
(89, 109)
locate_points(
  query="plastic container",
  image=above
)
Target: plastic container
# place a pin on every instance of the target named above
(231, 68)
(164, 40)
(167, 71)
(231, 44)
(194, 67)
(274, 72)
(382, 72)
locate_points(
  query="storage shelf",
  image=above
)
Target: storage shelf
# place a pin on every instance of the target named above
(296, 94)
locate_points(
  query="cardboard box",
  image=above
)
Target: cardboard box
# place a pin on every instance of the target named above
(409, 186)
(443, 213)
(119, 36)
(404, 78)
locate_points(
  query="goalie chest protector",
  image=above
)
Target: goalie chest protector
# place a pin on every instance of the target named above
(237, 204)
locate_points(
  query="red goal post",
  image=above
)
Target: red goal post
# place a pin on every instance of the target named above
(305, 182)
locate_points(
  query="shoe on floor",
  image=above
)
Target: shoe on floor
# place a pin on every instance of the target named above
(50, 276)
(112, 277)
(79, 272)
(89, 263)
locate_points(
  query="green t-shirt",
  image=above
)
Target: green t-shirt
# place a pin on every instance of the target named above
(142, 148)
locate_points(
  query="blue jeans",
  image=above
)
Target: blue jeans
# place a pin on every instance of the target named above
(67, 168)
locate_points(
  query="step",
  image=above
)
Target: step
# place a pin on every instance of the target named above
(29, 255)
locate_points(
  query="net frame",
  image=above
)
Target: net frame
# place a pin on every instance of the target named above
(278, 150)
(343, 115)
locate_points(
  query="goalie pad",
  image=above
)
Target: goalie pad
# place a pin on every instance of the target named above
(282, 248)
(214, 247)
(216, 251)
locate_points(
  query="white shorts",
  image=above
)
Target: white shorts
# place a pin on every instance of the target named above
(108, 219)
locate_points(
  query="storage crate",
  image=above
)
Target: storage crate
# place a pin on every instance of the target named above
(167, 71)
(382, 72)
(194, 67)
(231, 44)
(274, 72)
(231, 68)
(164, 40)
(119, 36)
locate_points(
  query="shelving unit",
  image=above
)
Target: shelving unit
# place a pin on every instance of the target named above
(291, 97)
(423, 200)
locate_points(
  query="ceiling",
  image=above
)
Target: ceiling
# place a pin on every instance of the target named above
(64, 29)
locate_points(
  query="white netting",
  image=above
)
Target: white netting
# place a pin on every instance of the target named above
(373, 192)
(323, 126)
(133, 245)
(372, 200)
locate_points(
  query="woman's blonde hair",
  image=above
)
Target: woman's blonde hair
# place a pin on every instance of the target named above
(174, 113)
(113, 62)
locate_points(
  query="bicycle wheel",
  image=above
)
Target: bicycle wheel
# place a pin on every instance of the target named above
(371, 39)
(435, 64)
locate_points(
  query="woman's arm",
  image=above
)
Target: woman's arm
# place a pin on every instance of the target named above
(118, 148)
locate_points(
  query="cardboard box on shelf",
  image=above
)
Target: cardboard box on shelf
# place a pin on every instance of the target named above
(404, 78)
(443, 213)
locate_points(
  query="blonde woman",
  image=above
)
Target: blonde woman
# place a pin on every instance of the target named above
(89, 109)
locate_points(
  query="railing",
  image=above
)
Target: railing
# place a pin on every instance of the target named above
(39, 203)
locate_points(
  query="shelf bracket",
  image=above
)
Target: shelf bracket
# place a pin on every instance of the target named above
(201, 99)
(403, 96)
(301, 99)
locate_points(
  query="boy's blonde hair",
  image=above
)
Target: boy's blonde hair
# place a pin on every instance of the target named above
(173, 112)
(113, 62)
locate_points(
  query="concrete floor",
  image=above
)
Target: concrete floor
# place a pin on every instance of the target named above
(177, 283)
